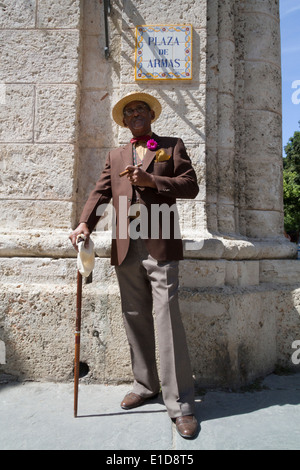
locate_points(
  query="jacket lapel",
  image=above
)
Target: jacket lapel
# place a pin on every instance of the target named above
(126, 155)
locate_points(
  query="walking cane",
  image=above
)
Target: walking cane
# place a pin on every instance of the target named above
(88, 276)
(77, 341)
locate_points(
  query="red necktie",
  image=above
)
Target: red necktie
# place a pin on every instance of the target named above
(143, 138)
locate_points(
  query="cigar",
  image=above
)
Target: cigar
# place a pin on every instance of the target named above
(127, 171)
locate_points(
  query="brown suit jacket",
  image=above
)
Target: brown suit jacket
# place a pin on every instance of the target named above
(175, 178)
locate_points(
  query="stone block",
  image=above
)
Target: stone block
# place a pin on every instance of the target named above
(262, 38)
(280, 271)
(256, 249)
(212, 62)
(226, 218)
(98, 128)
(17, 14)
(59, 14)
(99, 73)
(36, 171)
(242, 273)
(226, 121)
(226, 175)
(197, 155)
(212, 18)
(231, 335)
(40, 214)
(16, 113)
(262, 223)
(90, 166)
(203, 248)
(268, 7)
(262, 135)
(139, 13)
(226, 18)
(268, 95)
(226, 66)
(56, 114)
(48, 241)
(202, 273)
(39, 56)
(46, 271)
(263, 188)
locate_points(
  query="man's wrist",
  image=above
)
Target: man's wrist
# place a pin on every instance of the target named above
(152, 183)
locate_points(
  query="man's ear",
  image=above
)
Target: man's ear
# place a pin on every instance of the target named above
(152, 114)
(125, 125)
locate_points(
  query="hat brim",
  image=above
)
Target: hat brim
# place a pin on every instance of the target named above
(151, 101)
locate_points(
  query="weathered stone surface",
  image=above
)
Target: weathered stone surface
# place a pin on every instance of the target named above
(35, 56)
(268, 97)
(280, 271)
(268, 7)
(235, 333)
(36, 171)
(186, 12)
(59, 14)
(17, 14)
(242, 273)
(265, 224)
(17, 120)
(23, 214)
(263, 37)
(96, 71)
(98, 130)
(221, 326)
(56, 114)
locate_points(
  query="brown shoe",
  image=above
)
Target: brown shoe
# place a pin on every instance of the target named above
(186, 426)
(132, 400)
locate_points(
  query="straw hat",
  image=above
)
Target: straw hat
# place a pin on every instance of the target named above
(117, 111)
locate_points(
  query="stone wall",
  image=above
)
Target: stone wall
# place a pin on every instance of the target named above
(239, 284)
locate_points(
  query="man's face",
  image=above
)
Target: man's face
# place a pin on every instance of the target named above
(138, 117)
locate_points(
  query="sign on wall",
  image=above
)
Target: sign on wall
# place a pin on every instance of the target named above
(163, 52)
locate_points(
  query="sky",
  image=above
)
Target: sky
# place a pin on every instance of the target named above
(290, 64)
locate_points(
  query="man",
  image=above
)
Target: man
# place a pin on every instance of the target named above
(157, 171)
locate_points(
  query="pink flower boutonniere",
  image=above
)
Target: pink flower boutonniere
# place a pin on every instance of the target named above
(152, 144)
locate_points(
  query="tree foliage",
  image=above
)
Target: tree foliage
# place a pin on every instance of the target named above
(291, 184)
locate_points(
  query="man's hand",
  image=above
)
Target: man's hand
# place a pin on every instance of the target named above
(139, 177)
(82, 229)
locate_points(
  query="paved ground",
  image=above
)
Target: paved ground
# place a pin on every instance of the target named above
(39, 416)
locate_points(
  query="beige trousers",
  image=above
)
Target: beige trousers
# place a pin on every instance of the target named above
(146, 284)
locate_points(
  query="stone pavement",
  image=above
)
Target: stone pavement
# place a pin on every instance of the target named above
(39, 416)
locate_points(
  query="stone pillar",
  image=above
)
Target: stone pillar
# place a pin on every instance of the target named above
(261, 211)
(244, 160)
